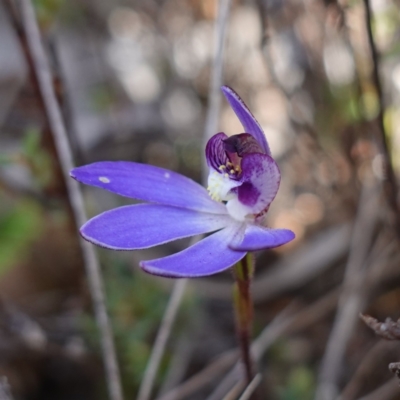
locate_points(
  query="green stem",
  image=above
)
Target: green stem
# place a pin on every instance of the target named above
(243, 272)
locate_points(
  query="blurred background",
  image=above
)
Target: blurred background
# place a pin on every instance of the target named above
(132, 78)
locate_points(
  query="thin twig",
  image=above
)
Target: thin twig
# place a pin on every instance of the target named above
(265, 47)
(214, 97)
(42, 72)
(389, 390)
(280, 326)
(181, 357)
(352, 295)
(234, 393)
(5, 392)
(367, 368)
(203, 378)
(390, 183)
(161, 339)
(210, 128)
(251, 388)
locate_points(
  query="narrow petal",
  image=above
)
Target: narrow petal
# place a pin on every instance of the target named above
(144, 225)
(209, 256)
(148, 183)
(246, 118)
(261, 179)
(258, 238)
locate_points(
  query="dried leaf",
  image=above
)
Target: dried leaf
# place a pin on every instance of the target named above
(389, 330)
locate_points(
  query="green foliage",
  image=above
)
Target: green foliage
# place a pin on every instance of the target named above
(36, 158)
(102, 98)
(47, 9)
(292, 378)
(299, 385)
(136, 304)
(18, 227)
(6, 159)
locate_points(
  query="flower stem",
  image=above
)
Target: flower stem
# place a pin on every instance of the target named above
(243, 272)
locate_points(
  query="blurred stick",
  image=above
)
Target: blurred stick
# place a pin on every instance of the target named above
(281, 325)
(390, 184)
(367, 368)
(278, 328)
(209, 130)
(389, 390)
(263, 8)
(5, 393)
(234, 393)
(352, 296)
(33, 47)
(251, 388)
(161, 339)
(203, 378)
(181, 355)
(214, 99)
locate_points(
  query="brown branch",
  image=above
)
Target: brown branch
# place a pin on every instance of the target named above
(390, 184)
(389, 390)
(278, 328)
(29, 35)
(353, 294)
(367, 368)
(203, 378)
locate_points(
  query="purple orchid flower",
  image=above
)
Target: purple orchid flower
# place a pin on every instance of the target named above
(243, 181)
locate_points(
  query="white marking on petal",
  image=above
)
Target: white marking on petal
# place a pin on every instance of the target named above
(167, 175)
(220, 185)
(104, 179)
(238, 210)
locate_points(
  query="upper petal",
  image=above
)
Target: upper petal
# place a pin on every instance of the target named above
(215, 151)
(148, 183)
(261, 179)
(209, 256)
(257, 237)
(250, 124)
(144, 225)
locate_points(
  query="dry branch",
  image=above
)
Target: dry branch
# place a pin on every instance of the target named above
(389, 330)
(31, 42)
(279, 327)
(353, 294)
(390, 185)
(389, 390)
(161, 339)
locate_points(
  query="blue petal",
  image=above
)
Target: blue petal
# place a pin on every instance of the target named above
(257, 237)
(250, 124)
(207, 257)
(148, 183)
(144, 225)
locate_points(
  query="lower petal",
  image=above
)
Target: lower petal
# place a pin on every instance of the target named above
(207, 257)
(261, 179)
(145, 225)
(259, 238)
